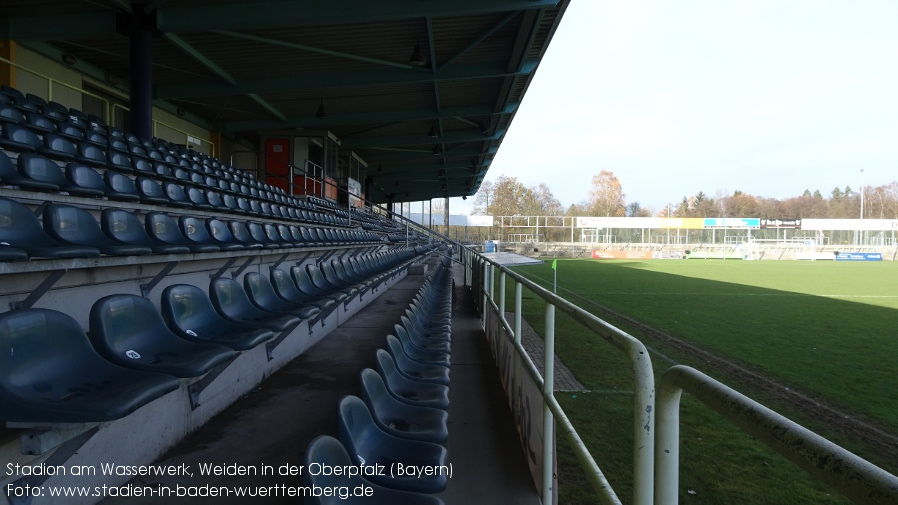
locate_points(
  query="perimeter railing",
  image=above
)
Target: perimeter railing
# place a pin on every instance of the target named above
(656, 441)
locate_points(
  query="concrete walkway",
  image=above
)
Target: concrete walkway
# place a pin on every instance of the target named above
(275, 422)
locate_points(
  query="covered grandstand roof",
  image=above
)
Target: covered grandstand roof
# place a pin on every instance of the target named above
(422, 90)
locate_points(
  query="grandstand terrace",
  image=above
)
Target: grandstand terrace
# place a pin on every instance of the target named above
(205, 289)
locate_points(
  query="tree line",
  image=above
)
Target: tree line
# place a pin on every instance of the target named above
(506, 196)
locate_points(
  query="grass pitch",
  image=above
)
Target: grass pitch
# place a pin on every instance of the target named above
(824, 328)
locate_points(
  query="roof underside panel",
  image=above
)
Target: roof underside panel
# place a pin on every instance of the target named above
(423, 91)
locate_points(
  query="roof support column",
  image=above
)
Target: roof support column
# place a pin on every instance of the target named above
(140, 27)
(142, 82)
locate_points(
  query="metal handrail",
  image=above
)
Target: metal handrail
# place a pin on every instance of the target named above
(643, 403)
(856, 478)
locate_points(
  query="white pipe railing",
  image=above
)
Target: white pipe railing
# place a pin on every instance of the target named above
(656, 439)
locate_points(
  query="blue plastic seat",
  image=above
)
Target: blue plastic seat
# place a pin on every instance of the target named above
(401, 419)
(421, 342)
(415, 370)
(20, 229)
(222, 235)
(58, 147)
(90, 154)
(18, 138)
(306, 286)
(84, 180)
(195, 230)
(412, 392)
(257, 231)
(129, 331)
(189, 313)
(369, 445)
(285, 288)
(176, 195)
(326, 450)
(76, 226)
(231, 301)
(426, 335)
(163, 228)
(149, 191)
(50, 373)
(318, 277)
(416, 353)
(261, 293)
(121, 187)
(242, 235)
(37, 172)
(127, 228)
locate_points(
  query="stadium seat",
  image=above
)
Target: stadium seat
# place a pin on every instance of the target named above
(197, 199)
(241, 233)
(150, 191)
(257, 231)
(195, 230)
(415, 370)
(286, 289)
(415, 353)
(121, 187)
(49, 373)
(85, 180)
(127, 330)
(37, 172)
(18, 138)
(58, 148)
(326, 450)
(176, 194)
(127, 228)
(318, 277)
(231, 301)
(20, 229)
(369, 445)
(90, 154)
(306, 286)
(76, 226)
(189, 313)
(413, 330)
(163, 228)
(401, 419)
(421, 342)
(119, 161)
(413, 392)
(261, 293)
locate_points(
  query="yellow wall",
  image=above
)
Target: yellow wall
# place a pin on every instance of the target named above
(52, 80)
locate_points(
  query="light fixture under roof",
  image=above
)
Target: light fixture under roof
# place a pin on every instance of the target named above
(321, 114)
(417, 59)
(433, 132)
(436, 150)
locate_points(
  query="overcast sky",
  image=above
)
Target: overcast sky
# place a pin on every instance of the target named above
(767, 97)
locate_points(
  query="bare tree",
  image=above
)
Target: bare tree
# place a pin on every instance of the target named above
(606, 197)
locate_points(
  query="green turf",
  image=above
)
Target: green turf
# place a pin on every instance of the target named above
(821, 327)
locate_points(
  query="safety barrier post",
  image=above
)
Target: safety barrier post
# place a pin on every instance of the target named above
(856, 478)
(548, 421)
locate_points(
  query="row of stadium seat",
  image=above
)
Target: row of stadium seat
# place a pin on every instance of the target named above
(56, 372)
(35, 172)
(70, 232)
(29, 124)
(401, 416)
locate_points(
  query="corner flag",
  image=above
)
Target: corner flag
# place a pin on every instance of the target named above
(555, 271)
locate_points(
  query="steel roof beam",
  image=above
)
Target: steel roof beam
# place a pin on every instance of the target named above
(407, 75)
(221, 73)
(249, 15)
(312, 122)
(412, 140)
